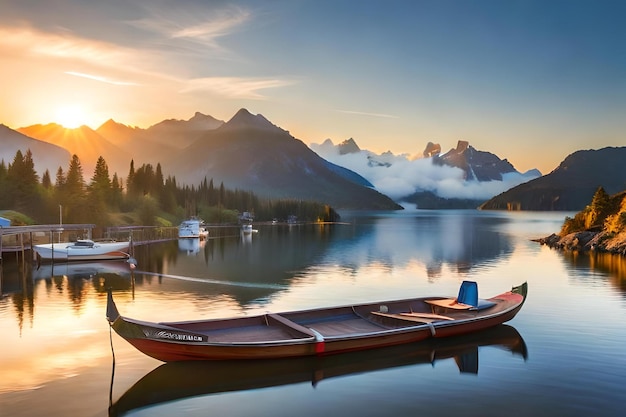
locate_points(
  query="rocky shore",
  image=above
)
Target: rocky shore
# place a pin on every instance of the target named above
(588, 240)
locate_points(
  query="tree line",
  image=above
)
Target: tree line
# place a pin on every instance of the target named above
(145, 197)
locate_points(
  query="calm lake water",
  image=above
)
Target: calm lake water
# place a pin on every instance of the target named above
(564, 354)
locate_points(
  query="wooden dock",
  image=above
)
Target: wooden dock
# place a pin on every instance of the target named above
(19, 240)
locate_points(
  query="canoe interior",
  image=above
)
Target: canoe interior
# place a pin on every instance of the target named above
(244, 330)
(318, 332)
(337, 322)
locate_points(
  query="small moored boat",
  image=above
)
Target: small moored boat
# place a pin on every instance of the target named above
(83, 250)
(192, 228)
(319, 332)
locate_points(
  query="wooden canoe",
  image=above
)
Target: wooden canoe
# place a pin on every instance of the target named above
(180, 380)
(315, 332)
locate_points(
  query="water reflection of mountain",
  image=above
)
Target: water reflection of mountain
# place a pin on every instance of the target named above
(180, 380)
(458, 239)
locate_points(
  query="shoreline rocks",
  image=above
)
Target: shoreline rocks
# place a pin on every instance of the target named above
(588, 240)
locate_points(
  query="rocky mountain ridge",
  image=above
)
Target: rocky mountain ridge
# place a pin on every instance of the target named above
(46, 156)
(462, 178)
(570, 186)
(248, 152)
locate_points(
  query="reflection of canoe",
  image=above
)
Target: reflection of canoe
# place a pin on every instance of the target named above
(83, 250)
(179, 380)
(312, 332)
(81, 269)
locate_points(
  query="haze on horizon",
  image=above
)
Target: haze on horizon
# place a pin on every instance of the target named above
(530, 81)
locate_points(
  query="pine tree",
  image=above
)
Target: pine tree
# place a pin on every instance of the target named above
(22, 181)
(46, 182)
(74, 192)
(598, 210)
(60, 179)
(130, 186)
(100, 186)
(116, 192)
(4, 186)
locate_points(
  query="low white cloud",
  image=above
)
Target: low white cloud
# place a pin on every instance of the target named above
(398, 176)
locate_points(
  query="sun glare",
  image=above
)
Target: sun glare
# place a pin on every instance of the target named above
(70, 117)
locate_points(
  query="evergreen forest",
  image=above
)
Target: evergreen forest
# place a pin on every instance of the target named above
(145, 197)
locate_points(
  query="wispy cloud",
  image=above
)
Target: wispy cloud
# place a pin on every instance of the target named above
(31, 42)
(98, 78)
(173, 52)
(200, 26)
(361, 113)
(234, 87)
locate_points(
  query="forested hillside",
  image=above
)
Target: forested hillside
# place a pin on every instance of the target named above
(145, 197)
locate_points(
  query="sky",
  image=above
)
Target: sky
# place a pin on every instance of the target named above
(530, 81)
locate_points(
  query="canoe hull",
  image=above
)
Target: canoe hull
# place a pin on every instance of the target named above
(317, 332)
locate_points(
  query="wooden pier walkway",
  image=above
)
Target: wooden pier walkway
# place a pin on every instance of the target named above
(19, 240)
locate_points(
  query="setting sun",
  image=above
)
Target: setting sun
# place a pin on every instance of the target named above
(70, 116)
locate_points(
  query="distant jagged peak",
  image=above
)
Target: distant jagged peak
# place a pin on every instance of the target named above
(348, 146)
(51, 125)
(204, 121)
(113, 124)
(432, 149)
(532, 173)
(50, 128)
(198, 121)
(328, 142)
(462, 146)
(243, 119)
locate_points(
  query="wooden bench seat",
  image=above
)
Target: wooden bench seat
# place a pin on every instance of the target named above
(414, 317)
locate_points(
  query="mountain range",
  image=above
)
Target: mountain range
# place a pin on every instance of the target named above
(463, 177)
(249, 152)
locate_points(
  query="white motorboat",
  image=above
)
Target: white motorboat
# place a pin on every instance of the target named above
(83, 250)
(192, 228)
